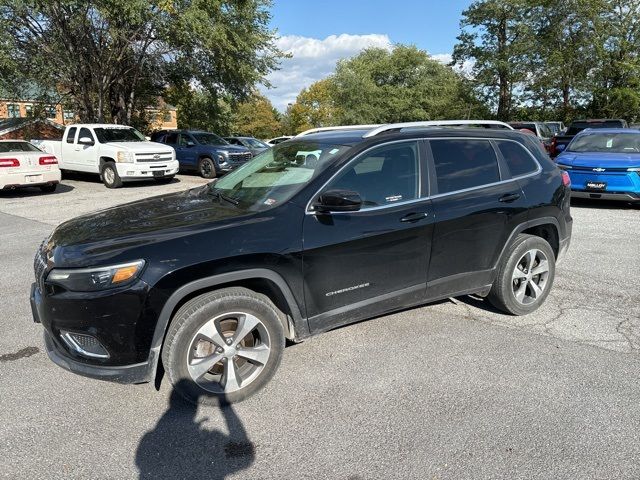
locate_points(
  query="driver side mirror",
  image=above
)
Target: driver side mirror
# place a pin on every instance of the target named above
(338, 201)
(85, 141)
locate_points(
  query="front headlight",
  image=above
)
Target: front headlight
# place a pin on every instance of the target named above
(94, 279)
(124, 157)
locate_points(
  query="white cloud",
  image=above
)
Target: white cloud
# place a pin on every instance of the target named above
(446, 58)
(313, 59)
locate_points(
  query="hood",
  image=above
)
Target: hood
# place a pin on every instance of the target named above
(141, 147)
(143, 222)
(599, 159)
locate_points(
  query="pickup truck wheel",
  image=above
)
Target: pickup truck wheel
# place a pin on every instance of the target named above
(525, 276)
(110, 176)
(207, 168)
(223, 346)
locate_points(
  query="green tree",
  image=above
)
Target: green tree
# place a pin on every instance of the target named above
(256, 117)
(404, 84)
(112, 57)
(494, 38)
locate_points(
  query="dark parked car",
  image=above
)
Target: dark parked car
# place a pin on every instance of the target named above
(560, 142)
(256, 146)
(318, 232)
(204, 152)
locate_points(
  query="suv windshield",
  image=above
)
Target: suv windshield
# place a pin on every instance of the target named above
(209, 139)
(606, 142)
(106, 135)
(274, 176)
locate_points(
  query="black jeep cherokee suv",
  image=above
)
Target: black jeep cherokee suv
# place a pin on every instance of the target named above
(310, 235)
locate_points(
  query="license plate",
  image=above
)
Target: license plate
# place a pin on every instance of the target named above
(33, 178)
(158, 173)
(596, 185)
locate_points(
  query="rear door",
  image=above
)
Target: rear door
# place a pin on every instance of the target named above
(360, 264)
(477, 205)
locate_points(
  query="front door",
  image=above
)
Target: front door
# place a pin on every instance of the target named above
(476, 206)
(360, 264)
(83, 157)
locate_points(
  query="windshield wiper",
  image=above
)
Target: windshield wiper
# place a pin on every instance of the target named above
(222, 196)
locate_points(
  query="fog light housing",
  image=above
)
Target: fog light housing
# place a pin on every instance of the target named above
(83, 344)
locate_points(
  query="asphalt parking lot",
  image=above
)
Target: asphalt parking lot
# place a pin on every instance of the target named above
(453, 390)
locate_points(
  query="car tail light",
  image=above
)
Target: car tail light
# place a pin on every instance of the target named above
(9, 162)
(50, 160)
(566, 179)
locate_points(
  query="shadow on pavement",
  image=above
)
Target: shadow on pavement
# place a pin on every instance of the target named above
(34, 192)
(180, 447)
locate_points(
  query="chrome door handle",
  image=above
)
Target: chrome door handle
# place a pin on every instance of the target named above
(414, 217)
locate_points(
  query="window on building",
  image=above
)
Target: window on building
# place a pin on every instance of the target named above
(13, 110)
(28, 110)
(168, 117)
(68, 115)
(50, 110)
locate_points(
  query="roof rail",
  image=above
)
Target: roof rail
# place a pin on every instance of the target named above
(337, 128)
(436, 123)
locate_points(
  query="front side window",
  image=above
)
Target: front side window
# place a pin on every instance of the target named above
(606, 142)
(184, 140)
(383, 176)
(171, 139)
(517, 157)
(462, 164)
(255, 143)
(274, 176)
(85, 133)
(106, 135)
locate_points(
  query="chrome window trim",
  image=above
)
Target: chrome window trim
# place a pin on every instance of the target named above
(308, 211)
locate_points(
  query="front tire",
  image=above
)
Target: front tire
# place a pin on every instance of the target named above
(109, 175)
(525, 276)
(207, 168)
(223, 346)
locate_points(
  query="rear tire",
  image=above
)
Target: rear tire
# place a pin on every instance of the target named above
(525, 276)
(49, 188)
(207, 168)
(223, 346)
(109, 175)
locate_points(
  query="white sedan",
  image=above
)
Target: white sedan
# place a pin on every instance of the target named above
(24, 165)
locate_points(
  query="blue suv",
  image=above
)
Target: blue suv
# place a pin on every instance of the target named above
(604, 163)
(205, 152)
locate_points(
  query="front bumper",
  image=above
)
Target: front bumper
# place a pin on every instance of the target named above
(138, 171)
(137, 373)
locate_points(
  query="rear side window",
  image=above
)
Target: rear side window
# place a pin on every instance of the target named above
(462, 164)
(71, 134)
(518, 159)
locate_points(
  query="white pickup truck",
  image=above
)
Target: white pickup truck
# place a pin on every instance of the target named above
(116, 152)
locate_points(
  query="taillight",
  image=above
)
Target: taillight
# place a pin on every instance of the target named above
(9, 162)
(51, 160)
(566, 179)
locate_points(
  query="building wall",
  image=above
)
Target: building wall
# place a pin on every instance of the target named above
(160, 119)
(22, 109)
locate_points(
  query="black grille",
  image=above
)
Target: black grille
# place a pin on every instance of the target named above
(240, 157)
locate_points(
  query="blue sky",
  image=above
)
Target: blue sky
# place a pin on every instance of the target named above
(319, 32)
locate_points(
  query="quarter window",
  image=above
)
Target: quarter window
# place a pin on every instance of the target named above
(384, 176)
(518, 158)
(462, 164)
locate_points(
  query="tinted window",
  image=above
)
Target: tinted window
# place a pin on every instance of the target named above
(171, 139)
(184, 140)
(464, 164)
(577, 127)
(85, 132)
(517, 158)
(384, 176)
(71, 134)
